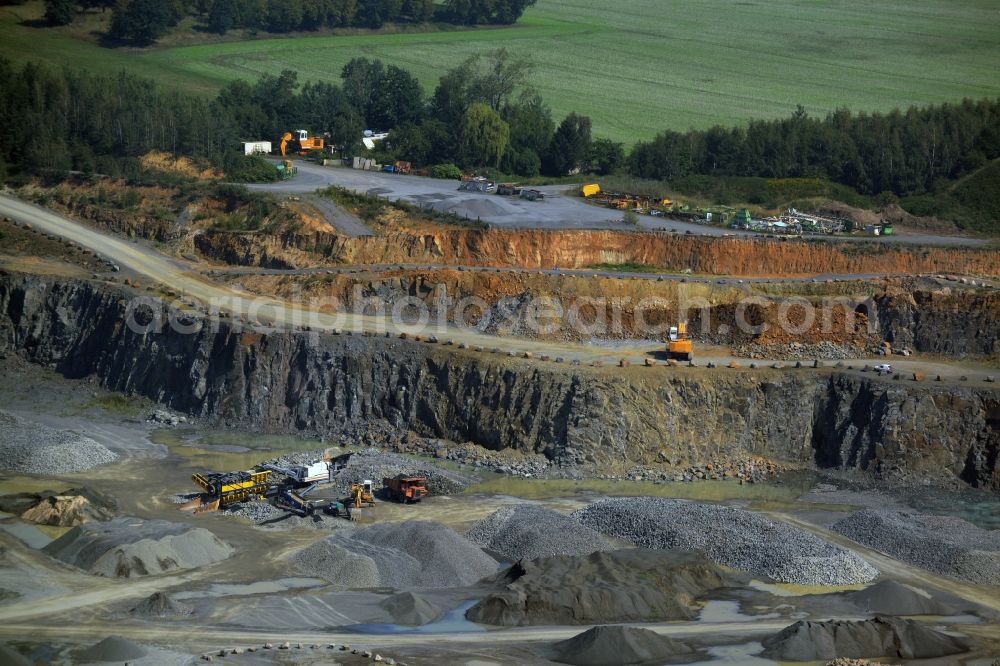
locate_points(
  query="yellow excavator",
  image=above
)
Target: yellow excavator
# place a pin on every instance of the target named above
(300, 142)
(680, 346)
(363, 494)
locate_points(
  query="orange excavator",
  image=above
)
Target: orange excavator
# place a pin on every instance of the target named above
(680, 346)
(299, 141)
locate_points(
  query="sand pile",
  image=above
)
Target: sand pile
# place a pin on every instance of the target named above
(411, 609)
(399, 555)
(616, 645)
(160, 604)
(529, 531)
(946, 545)
(27, 447)
(113, 648)
(892, 598)
(131, 547)
(732, 536)
(882, 636)
(73, 507)
(632, 585)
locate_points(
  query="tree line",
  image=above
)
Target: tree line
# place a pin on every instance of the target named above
(482, 113)
(902, 152)
(145, 21)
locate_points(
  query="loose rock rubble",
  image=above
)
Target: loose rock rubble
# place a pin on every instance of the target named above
(529, 531)
(166, 418)
(735, 537)
(943, 544)
(32, 448)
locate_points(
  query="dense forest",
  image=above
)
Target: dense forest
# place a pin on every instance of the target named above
(480, 115)
(901, 152)
(484, 114)
(145, 21)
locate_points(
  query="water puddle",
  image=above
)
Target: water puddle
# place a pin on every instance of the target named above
(738, 655)
(728, 611)
(247, 589)
(452, 622)
(223, 451)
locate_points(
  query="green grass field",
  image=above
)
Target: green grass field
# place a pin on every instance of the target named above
(636, 67)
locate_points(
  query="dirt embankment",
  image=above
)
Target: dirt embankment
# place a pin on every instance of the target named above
(756, 320)
(580, 249)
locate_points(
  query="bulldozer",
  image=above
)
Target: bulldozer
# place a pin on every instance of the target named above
(363, 494)
(300, 142)
(680, 346)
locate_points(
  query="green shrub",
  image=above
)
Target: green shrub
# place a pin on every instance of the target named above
(445, 171)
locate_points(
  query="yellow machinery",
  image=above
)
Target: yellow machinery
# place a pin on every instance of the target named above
(363, 494)
(300, 141)
(680, 345)
(590, 190)
(229, 488)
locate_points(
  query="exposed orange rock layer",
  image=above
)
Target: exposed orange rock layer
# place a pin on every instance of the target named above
(577, 249)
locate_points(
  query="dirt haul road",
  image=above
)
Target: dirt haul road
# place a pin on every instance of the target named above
(269, 312)
(557, 211)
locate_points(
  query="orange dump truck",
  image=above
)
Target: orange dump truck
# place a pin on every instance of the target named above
(406, 489)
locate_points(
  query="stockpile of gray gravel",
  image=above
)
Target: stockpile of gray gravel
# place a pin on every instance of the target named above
(132, 547)
(413, 554)
(160, 604)
(732, 536)
(943, 544)
(882, 636)
(113, 648)
(376, 465)
(32, 448)
(617, 645)
(529, 531)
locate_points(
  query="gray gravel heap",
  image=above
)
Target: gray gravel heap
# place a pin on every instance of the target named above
(376, 465)
(529, 531)
(27, 447)
(133, 547)
(414, 554)
(732, 536)
(943, 544)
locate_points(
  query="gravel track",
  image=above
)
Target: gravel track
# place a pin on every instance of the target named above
(732, 536)
(32, 448)
(943, 544)
(413, 554)
(529, 531)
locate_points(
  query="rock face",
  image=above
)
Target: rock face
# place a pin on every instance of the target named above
(948, 322)
(882, 636)
(284, 382)
(620, 586)
(617, 646)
